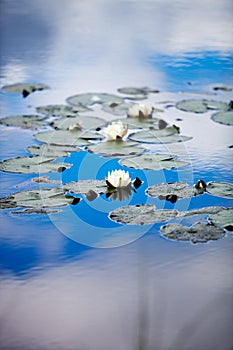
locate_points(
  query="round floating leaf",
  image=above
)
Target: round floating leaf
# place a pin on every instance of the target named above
(36, 211)
(198, 233)
(115, 148)
(65, 137)
(62, 110)
(142, 214)
(32, 165)
(86, 122)
(24, 88)
(152, 161)
(202, 211)
(84, 186)
(89, 99)
(52, 151)
(201, 106)
(136, 91)
(225, 118)
(117, 108)
(177, 189)
(25, 121)
(169, 134)
(220, 189)
(224, 219)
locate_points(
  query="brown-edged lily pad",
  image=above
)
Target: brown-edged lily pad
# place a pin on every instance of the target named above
(32, 165)
(173, 189)
(66, 137)
(150, 161)
(24, 88)
(62, 110)
(142, 214)
(198, 233)
(115, 148)
(224, 219)
(220, 189)
(201, 106)
(25, 121)
(92, 98)
(225, 118)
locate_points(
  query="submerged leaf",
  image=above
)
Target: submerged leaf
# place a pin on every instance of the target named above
(89, 99)
(178, 189)
(198, 233)
(152, 161)
(25, 121)
(225, 118)
(224, 219)
(141, 214)
(24, 88)
(201, 106)
(220, 189)
(115, 148)
(31, 165)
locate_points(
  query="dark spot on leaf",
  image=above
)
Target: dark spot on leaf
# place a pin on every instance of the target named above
(137, 182)
(200, 185)
(229, 228)
(61, 169)
(162, 124)
(172, 198)
(25, 93)
(230, 104)
(76, 201)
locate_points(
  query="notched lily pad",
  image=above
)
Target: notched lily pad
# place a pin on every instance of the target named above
(201, 106)
(78, 122)
(52, 151)
(32, 165)
(24, 88)
(61, 110)
(66, 137)
(150, 161)
(84, 186)
(173, 189)
(25, 121)
(142, 214)
(225, 118)
(198, 233)
(115, 148)
(92, 98)
(224, 219)
(220, 189)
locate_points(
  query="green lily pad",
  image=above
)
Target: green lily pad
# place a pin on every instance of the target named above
(177, 189)
(116, 108)
(201, 211)
(141, 123)
(62, 110)
(201, 106)
(52, 151)
(225, 118)
(198, 233)
(224, 219)
(136, 91)
(150, 161)
(7, 202)
(169, 134)
(24, 88)
(25, 121)
(86, 122)
(36, 211)
(32, 165)
(115, 148)
(220, 189)
(84, 186)
(142, 214)
(92, 98)
(66, 137)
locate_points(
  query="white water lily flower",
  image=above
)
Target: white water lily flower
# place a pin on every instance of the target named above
(141, 111)
(118, 178)
(115, 130)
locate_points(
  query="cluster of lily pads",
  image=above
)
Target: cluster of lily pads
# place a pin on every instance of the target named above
(68, 128)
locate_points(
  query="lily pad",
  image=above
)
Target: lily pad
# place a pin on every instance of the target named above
(198, 233)
(115, 148)
(25, 121)
(92, 98)
(225, 118)
(32, 165)
(84, 186)
(116, 108)
(36, 211)
(52, 151)
(201, 211)
(142, 214)
(86, 122)
(62, 110)
(223, 219)
(24, 88)
(152, 161)
(177, 189)
(136, 91)
(66, 137)
(220, 189)
(201, 106)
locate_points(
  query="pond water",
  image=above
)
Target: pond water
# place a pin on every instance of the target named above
(77, 279)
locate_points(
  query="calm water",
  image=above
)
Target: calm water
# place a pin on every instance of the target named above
(59, 288)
